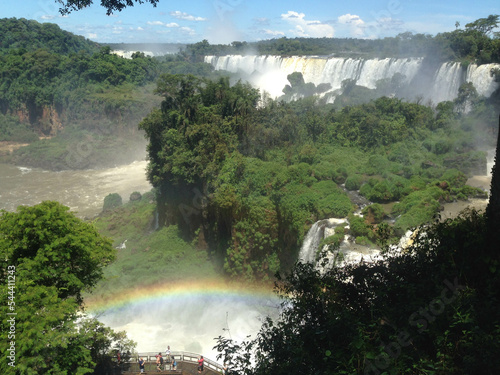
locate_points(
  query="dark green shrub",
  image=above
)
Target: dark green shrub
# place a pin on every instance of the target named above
(353, 182)
(454, 177)
(374, 213)
(358, 227)
(135, 196)
(442, 146)
(112, 201)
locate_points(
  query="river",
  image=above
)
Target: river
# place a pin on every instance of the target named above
(83, 191)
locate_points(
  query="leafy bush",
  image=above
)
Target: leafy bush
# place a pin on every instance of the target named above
(135, 196)
(358, 227)
(454, 177)
(353, 182)
(112, 201)
(373, 213)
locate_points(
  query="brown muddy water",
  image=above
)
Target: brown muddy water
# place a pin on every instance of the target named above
(82, 190)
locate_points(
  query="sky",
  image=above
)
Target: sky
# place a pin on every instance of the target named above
(225, 21)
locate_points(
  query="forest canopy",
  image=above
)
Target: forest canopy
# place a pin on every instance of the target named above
(253, 176)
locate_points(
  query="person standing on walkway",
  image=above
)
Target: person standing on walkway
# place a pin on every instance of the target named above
(159, 362)
(141, 365)
(174, 364)
(200, 364)
(168, 359)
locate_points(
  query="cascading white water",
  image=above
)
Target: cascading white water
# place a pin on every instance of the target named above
(313, 238)
(482, 78)
(269, 73)
(348, 252)
(446, 83)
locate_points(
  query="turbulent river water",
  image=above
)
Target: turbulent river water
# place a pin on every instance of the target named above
(83, 191)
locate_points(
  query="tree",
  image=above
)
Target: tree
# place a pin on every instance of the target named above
(111, 6)
(49, 258)
(484, 25)
(432, 307)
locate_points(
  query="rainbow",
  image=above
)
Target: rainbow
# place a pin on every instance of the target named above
(177, 290)
(187, 314)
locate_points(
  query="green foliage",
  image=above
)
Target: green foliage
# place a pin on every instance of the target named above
(29, 35)
(143, 255)
(417, 208)
(374, 213)
(52, 257)
(112, 201)
(359, 227)
(14, 131)
(334, 241)
(111, 6)
(454, 178)
(298, 87)
(430, 309)
(217, 159)
(135, 196)
(353, 182)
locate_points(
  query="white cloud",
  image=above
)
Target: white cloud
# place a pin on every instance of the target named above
(273, 33)
(155, 23)
(263, 21)
(387, 26)
(355, 23)
(306, 28)
(172, 24)
(187, 30)
(185, 16)
(47, 17)
(91, 35)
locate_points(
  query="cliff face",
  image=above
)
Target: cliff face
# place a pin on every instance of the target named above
(45, 121)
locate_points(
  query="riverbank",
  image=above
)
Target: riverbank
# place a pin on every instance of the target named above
(7, 147)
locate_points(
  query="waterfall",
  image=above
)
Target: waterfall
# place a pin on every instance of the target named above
(347, 253)
(482, 79)
(314, 236)
(446, 83)
(269, 73)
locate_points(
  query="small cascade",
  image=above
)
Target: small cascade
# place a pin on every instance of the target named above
(347, 253)
(313, 238)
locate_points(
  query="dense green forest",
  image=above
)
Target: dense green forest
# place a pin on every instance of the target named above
(55, 83)
(249, 180)
(476, 42)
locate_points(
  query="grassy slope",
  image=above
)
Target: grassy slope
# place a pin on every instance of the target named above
(150, 257)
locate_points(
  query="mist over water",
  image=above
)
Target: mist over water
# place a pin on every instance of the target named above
(434, 84)
(191, 322)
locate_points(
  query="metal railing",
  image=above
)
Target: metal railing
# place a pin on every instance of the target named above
(187, 357)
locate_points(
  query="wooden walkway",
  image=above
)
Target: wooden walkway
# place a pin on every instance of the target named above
(187, 364)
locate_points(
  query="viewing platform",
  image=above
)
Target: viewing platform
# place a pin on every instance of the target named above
(187, 364)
